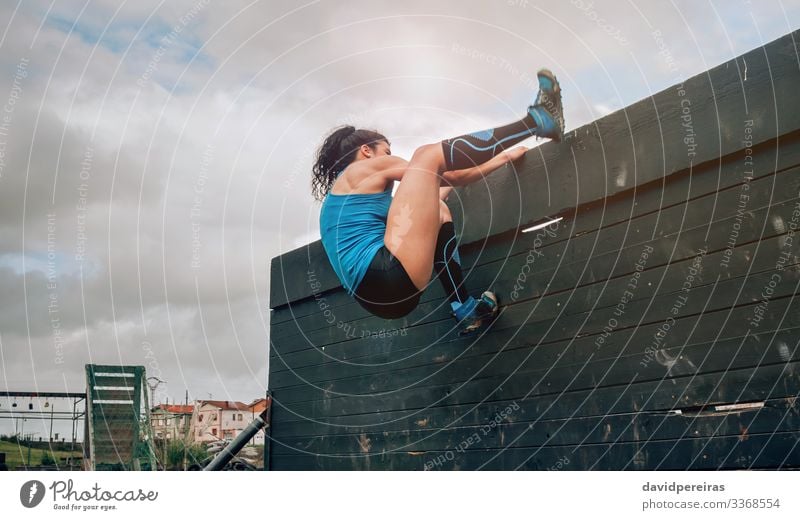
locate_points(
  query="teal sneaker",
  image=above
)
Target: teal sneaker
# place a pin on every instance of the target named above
(547, 110)
(472, 314)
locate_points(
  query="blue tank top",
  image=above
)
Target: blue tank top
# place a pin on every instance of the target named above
(352, 227)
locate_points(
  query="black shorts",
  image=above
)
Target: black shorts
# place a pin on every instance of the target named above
(386, 290)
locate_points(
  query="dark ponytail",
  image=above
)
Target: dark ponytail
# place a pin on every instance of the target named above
(336, 153)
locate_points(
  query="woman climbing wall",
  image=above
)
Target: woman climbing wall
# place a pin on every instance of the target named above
(385, 249)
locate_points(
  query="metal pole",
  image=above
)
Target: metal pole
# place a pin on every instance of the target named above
(238, 443)
(185, 426)
(152, 445)
(74, 426)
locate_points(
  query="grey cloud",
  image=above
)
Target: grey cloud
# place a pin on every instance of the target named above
(216, 172)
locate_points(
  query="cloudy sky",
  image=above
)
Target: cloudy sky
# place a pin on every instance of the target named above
(154, 156)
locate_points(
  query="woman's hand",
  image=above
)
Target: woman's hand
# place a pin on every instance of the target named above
(470, 175)
(506, 156)
(513, 154)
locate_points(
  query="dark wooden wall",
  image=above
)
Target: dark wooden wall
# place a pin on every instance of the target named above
(655, 326)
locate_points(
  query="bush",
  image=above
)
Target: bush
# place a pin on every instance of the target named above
(195, 454)
(47, 459)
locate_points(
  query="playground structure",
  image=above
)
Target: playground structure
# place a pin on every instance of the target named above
(45, 409)
(118, 432)
(648, 270)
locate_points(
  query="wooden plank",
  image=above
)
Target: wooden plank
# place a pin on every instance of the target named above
(692, 390)
(774, 451)
(462, 418)
(625, 350)
(268, 440)
(554, 275)
(438, 419)
(774, 417)
(115, 395)
(682, 245)
(638, 360)
(119, 436)
(766, 348)
(113, 369)
(531, 378)
(113, 412)
(289, 274)
(431, 413)
(694, 328)
(743, 258)
(114, 381)
(316, 365)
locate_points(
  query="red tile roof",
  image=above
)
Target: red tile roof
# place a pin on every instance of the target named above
(224, 405)
(176, 408)
(259, 405)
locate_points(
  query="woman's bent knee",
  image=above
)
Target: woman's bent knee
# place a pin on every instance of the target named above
(427, 148)
(431, 152)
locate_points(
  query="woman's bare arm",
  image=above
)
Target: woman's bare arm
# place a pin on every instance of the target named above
(392, 168)
(470, 175)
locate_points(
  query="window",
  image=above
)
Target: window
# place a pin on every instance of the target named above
(201, 417)
(214, 432)
(240, 417)
(213, 417)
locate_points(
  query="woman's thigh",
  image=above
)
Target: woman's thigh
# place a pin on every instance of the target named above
(412, 223)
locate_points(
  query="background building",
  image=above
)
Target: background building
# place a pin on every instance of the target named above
(171, 421)
(219, 420)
